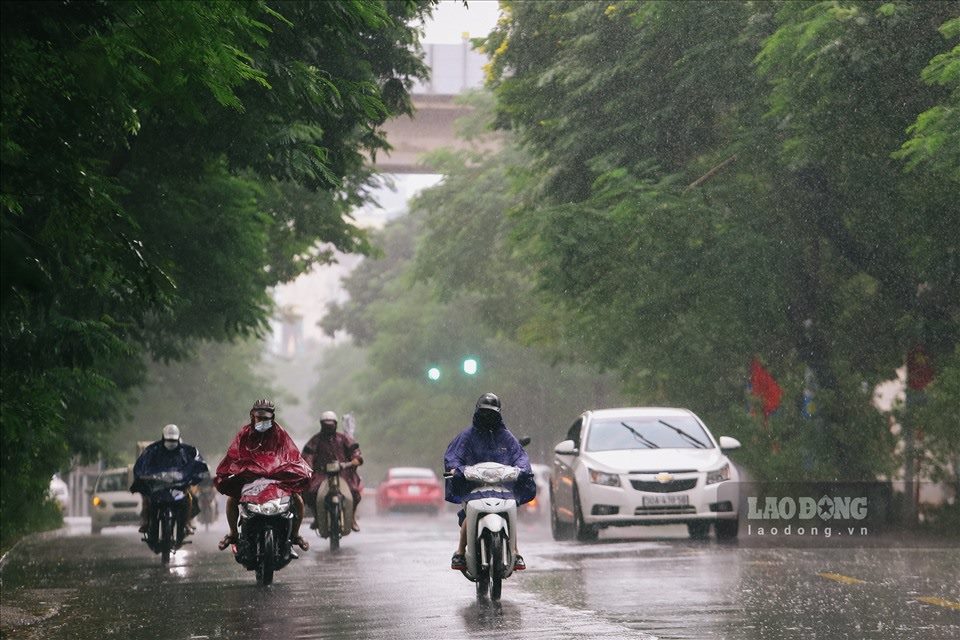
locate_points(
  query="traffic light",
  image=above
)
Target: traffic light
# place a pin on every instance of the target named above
(470, 366)
(433, 373)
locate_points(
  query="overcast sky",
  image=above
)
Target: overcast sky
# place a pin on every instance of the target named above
(451, 20)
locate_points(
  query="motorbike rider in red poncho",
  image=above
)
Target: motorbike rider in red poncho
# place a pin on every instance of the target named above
(262, 449)
(328, 446)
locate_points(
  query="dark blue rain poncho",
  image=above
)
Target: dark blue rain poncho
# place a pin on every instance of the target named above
(481, 443)
(156, 458)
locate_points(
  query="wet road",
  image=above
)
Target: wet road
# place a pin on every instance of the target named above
(392, 581)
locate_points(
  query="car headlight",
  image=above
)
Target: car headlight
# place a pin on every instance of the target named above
(606, 479)
(719, 475)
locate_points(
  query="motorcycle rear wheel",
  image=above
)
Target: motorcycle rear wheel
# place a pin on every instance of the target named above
(267, 554)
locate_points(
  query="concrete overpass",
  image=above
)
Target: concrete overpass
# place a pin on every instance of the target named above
(454, 68)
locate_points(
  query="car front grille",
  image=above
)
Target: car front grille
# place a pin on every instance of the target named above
(664, 487)
(665, 510)
(125, 516)
(126, 505)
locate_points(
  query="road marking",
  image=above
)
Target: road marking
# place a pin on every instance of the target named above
(940, 602)
(837, 577)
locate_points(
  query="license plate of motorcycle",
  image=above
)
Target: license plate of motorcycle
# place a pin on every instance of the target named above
(414, 491)
(665, 501)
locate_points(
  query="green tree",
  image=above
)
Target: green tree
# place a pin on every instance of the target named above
(715, 181)
(401, 326)
(207, 396)
(164, 163)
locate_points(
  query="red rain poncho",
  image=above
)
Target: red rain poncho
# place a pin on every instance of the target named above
(271, 455)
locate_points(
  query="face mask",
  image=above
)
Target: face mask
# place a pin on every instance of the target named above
(263, 426)
(170, 444)
(488, 420)
(328, 429)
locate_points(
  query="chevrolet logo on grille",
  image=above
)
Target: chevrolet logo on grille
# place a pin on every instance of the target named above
(663, 477)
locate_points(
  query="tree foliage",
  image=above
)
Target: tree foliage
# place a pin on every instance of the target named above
(163, 164)
(208, 396)
(716, 181)
(402, 325)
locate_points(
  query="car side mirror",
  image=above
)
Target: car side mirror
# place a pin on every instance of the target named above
(567, 448)
(729, 444)
(524, 441)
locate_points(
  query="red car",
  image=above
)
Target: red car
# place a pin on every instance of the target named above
(409, 489)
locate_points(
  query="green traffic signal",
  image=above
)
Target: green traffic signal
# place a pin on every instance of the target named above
(470, 366)
(433, 373)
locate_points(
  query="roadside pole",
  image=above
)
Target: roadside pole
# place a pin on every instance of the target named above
(909, 453)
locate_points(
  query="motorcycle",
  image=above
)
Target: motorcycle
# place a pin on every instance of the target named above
(266, 522)
(491, 511)
(166, 528)
(334, 508)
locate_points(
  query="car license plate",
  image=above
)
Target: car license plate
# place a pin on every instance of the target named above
(665, 501)
(414, 491)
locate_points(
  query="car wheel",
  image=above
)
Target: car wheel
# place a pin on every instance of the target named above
(698, 530)
(726, 529)
(560, 530)
(583, 531)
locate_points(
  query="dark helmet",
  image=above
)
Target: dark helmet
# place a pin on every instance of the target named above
(489, 401)
(262, 405)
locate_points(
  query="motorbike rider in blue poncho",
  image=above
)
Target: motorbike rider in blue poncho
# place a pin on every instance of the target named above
(169, 454)
(486, 440)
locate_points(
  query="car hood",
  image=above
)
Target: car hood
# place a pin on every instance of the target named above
(655, 460)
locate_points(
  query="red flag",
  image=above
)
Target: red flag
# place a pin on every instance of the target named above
(764, 387)
(919, 368)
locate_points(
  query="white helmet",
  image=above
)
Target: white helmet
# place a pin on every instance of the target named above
(328, 416)
(171, 436)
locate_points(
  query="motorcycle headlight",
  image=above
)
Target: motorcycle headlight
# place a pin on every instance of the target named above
(606, 479)
(271, 508)
(719, 475)
(251, 508)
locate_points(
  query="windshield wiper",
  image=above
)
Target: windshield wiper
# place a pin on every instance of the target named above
(686, 435)
(636, 434)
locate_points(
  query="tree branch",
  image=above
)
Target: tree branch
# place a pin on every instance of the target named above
(709, 174)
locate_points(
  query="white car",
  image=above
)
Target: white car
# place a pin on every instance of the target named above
(642, 466)
(111, 503)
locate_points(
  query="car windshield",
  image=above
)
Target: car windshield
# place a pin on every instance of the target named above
(674, 432)
(412, 474)
(113, 482)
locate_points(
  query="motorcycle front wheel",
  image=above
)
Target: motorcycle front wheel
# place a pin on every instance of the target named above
(336, 515)
(265, 563)
(497, 568)
(483, 584)
(166, 536)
